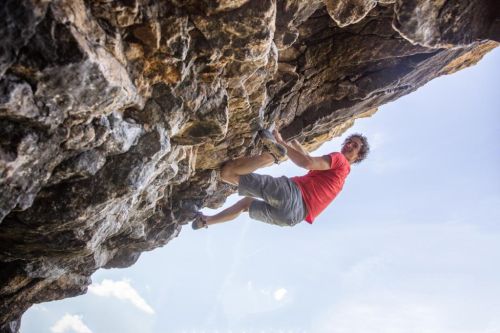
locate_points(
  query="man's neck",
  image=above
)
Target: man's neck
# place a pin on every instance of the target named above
(349, 157)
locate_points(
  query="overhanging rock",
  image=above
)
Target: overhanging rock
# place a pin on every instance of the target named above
(116, 115)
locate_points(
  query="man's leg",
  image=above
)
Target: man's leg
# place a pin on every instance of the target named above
(229, 213)
(233, 169)
(231, 173)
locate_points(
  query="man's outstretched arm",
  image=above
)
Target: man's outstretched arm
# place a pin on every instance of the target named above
(301, 157)
(295, 144)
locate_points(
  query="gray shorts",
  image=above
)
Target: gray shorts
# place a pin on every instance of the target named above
(282, 205)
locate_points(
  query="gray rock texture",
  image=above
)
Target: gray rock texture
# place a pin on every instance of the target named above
(115, 116)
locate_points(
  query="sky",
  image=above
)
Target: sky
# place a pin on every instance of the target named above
(411, 244)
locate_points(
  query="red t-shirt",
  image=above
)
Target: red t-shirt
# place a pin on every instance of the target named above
(320, 187)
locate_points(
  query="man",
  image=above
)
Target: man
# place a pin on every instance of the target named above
(287, 201)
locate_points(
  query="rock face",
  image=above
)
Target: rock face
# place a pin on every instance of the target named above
(116, 115)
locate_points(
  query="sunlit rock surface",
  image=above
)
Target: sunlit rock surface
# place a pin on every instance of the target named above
(116, 115)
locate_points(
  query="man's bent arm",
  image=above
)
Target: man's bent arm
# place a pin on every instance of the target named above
(301, 157)
(298, 157)
(298, 147)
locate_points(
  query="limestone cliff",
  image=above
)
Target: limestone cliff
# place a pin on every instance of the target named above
(116, 115)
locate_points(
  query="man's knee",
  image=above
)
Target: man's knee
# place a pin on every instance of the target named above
(227, 175)
(246, 203)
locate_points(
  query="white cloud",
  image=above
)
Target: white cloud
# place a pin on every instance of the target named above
(360, 272)
(70, 323)
(280, 293)
(121, 290)
(405, 312)
(382, 316)
(239, 300)
(39, 307)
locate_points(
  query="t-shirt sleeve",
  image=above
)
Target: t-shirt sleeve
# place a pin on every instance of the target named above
(335, 161)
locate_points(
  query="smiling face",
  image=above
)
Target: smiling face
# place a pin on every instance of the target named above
(351, 148)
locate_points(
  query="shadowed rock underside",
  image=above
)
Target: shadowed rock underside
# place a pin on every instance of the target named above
(115, 116)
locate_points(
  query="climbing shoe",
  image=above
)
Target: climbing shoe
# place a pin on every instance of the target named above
(271, 146)
(199, 222)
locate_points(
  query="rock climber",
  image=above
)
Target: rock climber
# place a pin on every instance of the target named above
(286, 201)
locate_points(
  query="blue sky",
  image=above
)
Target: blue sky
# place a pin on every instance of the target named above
(412, 244)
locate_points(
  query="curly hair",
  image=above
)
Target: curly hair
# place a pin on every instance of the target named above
(365, 147)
